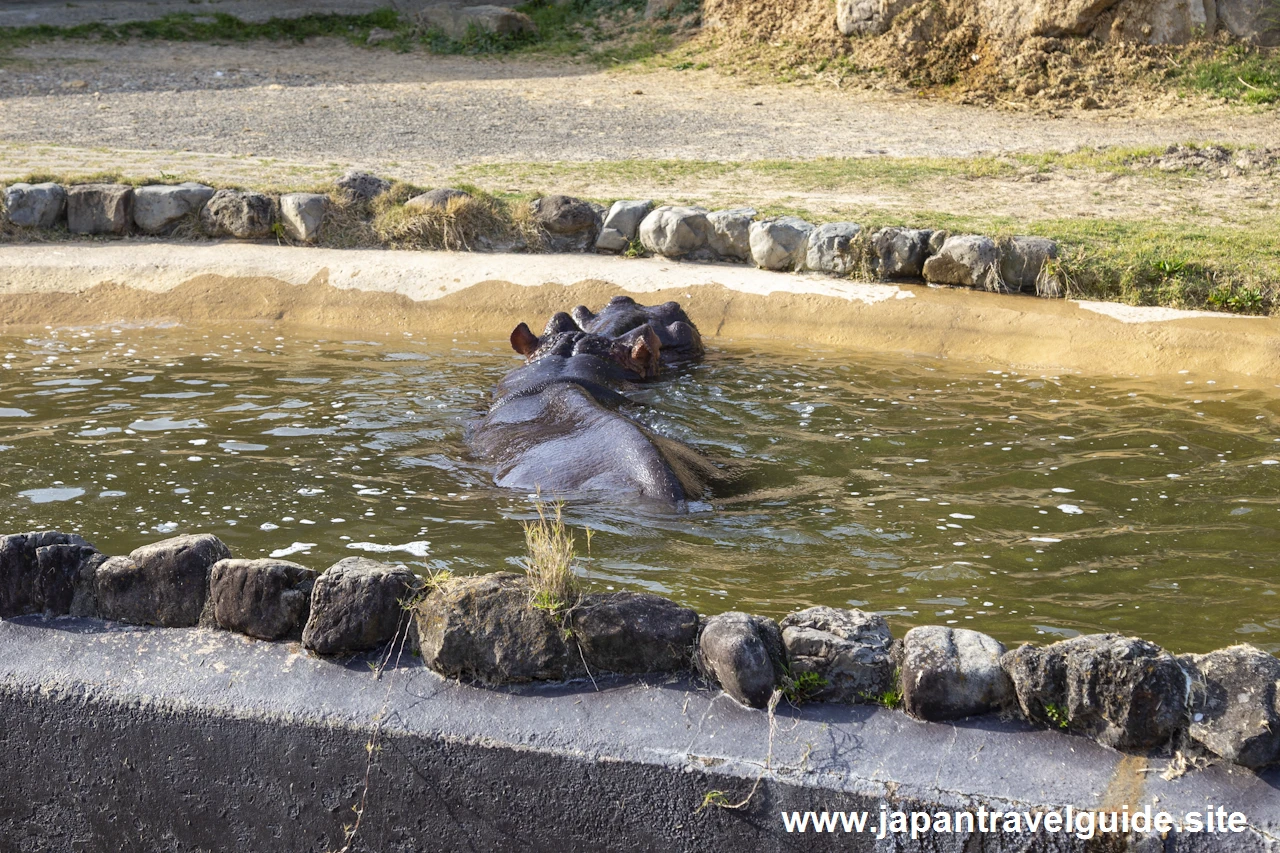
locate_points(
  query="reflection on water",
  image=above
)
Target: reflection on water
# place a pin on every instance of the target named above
(1030, 506)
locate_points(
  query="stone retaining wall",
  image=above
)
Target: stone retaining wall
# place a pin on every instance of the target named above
(1125, 693)
(559, 224)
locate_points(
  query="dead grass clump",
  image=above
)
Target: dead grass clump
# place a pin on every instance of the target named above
(480, 222)
(549, 562)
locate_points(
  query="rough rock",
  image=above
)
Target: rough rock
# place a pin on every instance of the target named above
(99, 208)
(457, 22)
(674, 232)
(571, 224)
(656, 9)
(744, 654)
(243, 215)
(483, 628)
(361, 186)
(634, 633)
(267, 599)
(1257, 21)
(1022, 259)
(868, 17)
(779, 243)
(1143, 21)
(165, 583)
(967, 260)
(39, 571)
(437, 199)
(834, 248)
(730, 235)
(35, 205)
(1124, 692)
(1235, 709)
(901, 252)
(303, 214)
(159, 206)
(949, 673)
(849, 649)
(356, 605)
(621, 224)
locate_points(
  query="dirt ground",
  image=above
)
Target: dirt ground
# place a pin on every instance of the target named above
(330, 99)
(304, 113)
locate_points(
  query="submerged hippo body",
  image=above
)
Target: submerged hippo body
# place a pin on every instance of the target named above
(558, 425)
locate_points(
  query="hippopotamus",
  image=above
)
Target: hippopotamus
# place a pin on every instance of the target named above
(557, 424)
(623, 319)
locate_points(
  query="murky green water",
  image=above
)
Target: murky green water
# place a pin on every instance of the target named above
(1024, 505)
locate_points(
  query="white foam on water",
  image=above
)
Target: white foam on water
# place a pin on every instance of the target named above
(960, 515)
(46, 496)
(266, 525)
(161, 424)
(1071, 509)
(1043, 539)
(14, 413)
(295, 548)
(417, 549)
(1063, 491)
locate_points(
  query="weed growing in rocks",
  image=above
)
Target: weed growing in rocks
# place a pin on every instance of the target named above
(549, 563)
(802, 687)
(1057, 715)
(891, 698)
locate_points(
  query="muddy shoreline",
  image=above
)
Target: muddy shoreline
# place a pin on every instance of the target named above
(461, 293)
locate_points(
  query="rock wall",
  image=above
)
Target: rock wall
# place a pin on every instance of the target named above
(1140, 21)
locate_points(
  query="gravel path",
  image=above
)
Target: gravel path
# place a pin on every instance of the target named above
(330, 100)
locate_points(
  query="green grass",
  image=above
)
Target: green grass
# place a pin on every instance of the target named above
(1057, 715)
(218, 27)
(798, 688)
(605, 31)
(1237, 73)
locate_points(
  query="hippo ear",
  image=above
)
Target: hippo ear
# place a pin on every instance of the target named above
(559, 323)
(523, 340)
(582, 316)
(646, 351)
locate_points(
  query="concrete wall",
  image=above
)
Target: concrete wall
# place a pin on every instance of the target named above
(185, 739)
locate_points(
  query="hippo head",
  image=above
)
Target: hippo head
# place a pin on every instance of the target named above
(624, 318)
(639, 355)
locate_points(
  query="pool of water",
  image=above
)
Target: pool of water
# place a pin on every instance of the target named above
(1029, 506)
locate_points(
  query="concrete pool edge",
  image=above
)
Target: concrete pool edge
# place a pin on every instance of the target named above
(480, 294)
(202, 739)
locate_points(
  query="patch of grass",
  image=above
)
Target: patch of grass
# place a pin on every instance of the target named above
(549, 561)
(217, 27)
(890, 698)
(1238, 73)
(798, 688)
(608, 32)
(1057, 715)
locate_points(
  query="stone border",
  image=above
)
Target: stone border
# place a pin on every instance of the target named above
(1125, 693)
(559, 224)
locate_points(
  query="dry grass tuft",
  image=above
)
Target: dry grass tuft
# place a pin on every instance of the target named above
(549, 563)
(478, 223)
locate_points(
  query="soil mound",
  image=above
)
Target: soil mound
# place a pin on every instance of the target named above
(957, 45)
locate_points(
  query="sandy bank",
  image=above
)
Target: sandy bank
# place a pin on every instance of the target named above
(459, 293)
